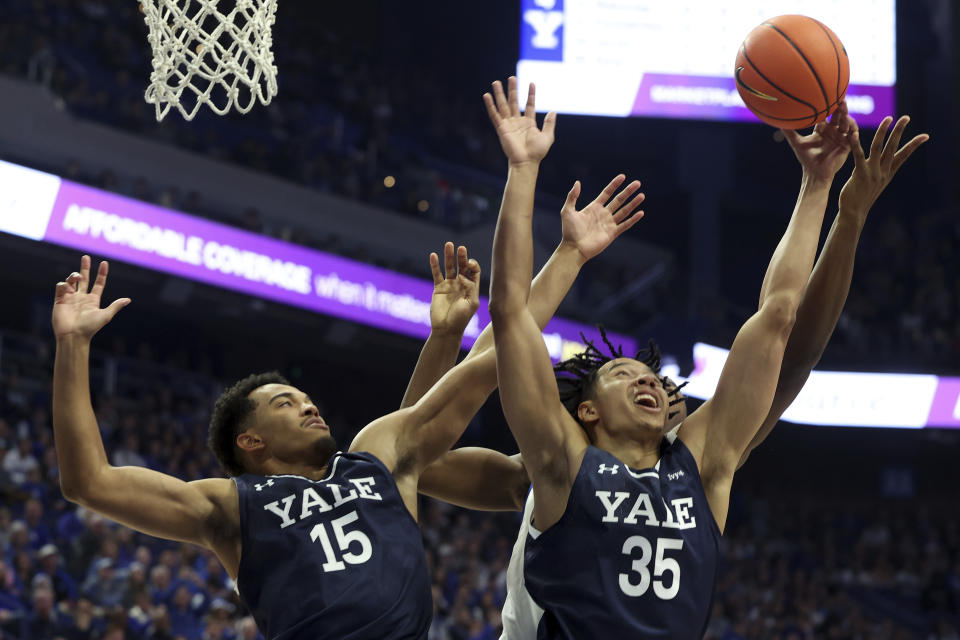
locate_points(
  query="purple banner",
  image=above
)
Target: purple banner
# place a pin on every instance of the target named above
(945, 408)
(716, 98)
(113, 226)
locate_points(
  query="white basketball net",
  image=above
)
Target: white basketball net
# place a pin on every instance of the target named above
(220, 59)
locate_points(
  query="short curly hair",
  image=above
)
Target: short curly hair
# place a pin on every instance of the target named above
(577, 376)
(231, 409)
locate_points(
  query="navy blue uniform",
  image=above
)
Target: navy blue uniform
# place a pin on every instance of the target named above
(335, 558)
(633, 556)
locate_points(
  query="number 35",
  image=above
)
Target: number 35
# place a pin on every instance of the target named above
(661, 565)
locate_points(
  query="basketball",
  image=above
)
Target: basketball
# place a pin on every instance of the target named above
(792, 71)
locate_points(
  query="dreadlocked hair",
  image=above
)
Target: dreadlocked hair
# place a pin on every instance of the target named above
(231, 409)
(576, 376)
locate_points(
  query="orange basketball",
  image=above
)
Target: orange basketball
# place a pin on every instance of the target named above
(792, 71)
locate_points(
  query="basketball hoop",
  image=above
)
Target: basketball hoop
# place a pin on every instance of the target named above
(205, 56)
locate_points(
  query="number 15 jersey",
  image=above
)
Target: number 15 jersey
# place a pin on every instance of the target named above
(635, 554)
(339, 558)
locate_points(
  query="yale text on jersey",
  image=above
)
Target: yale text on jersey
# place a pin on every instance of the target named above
(321, 498)
(637, 508)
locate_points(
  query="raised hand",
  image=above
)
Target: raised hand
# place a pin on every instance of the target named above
(593, 228)
(76, 311)
(872, 175)
(456, 297)
(522, 141)
(823, 151)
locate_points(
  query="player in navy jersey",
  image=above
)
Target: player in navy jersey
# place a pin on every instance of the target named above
(485, 479)
(322, 544)
(626, 522)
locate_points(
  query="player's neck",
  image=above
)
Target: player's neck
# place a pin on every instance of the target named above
(639, 451)
(278, 468)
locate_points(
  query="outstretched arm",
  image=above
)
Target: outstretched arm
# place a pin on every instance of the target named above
(720, 430)
(453, 304)
(827, 290)
(586, 233)
(549, 439)
(151, 502)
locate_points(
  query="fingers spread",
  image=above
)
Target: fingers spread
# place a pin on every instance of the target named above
(550, 123)
(512, 100)
(858, 157)
(531, 110)
(101, 280)
(462, 260)
(880, 135)
(610, 189)
(435, 269)
(572, 195)
(473, 271)
(116, 305)
(901, 156)
(624, 194)
(500, 99)
(491, 109)
(631, 206)
(893, 142)
(629, 222)
(449, 261)
(84, 272)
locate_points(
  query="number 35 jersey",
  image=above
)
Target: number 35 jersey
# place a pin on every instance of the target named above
(634, 555)
(335, 558)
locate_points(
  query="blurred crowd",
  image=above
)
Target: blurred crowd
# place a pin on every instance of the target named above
(797, 567)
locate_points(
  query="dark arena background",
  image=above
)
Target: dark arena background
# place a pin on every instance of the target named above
(377, 150)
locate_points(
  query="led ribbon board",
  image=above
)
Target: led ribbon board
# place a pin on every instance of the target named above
(44, 207)
(847, 398)
(675, 59)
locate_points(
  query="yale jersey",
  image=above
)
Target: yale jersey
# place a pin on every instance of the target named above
(634, 555)
(335, 558)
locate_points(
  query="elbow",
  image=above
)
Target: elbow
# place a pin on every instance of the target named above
(502, 307)
(79, 490)
(780, 311)
(72, 491)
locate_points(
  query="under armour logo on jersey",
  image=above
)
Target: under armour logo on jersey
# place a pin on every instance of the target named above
(268, 483)
(612, 469)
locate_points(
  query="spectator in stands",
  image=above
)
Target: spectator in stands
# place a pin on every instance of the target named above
(19, 460)
(49, 564)
(44, 622)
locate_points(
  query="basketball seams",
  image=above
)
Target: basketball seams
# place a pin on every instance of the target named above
(816, 76)
(836, 53)
(746, 57)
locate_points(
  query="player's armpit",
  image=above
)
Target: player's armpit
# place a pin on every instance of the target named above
(477, 478)
(204, 512)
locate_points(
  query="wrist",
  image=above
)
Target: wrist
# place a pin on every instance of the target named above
(568, 250)
(813, 182)
(445, 334)
(852, 217)
(73, 341)
(527, 166)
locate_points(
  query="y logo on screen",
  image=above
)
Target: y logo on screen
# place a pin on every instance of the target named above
(541, 30)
